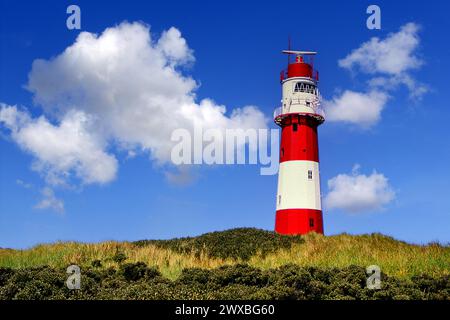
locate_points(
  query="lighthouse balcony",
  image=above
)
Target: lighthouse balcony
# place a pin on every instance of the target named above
(315, 112)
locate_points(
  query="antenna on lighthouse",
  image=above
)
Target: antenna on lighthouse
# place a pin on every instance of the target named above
(289, 48)
(299, 53)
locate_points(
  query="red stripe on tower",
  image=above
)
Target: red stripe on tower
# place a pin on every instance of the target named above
(298, 221)
(299, 139)
(299, 209)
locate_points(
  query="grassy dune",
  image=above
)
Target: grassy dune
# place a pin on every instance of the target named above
(258, 248)
(63, 254)
(394, 257)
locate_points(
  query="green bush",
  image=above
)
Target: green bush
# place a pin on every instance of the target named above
(138, 281)
(137, 271)
(5, 274)
(119, 257)
(240, 243)
(96, 263)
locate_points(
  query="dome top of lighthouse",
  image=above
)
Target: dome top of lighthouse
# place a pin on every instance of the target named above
(300, 68)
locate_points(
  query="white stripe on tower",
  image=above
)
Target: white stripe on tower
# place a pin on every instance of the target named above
(298, 185)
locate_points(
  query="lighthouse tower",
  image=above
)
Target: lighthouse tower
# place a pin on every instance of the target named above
(298, 209)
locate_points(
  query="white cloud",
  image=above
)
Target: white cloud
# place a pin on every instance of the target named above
(393, 55)
(61, 150)
(362, 109)
(132, 86)
(50, 201)
(357, 193)
(416, 89)
(120, 89)
(174, 46)
(389, 62)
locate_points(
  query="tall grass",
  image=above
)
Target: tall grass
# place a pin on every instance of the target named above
(63, 254)
(394, 257)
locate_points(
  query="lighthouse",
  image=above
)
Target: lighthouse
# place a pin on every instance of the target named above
(298, 202)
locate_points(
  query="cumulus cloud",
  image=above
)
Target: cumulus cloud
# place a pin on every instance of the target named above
(50, 201)
(132, 86)
(121, 89)
(174, 46)
(415, 88)
(363, 109)
(388, 62)
(393, 55)
(61, 150)
(357, 193)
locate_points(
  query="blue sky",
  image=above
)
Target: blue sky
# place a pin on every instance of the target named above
(237, 63)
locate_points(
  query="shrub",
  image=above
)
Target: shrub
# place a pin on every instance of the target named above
(96, 263)
(238, 274)
(138, 281)
(137, 271)
(34, 283)
(119, 257)
(240, 243)
(194, 276)
(5, 273)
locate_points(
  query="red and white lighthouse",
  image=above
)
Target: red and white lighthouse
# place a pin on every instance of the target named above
(298, 209)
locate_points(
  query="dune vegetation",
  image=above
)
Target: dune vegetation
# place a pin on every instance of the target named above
(241, 263)
(257, 248)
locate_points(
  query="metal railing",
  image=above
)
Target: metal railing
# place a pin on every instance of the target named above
(315, 106)
(278, 111)
(308, 102)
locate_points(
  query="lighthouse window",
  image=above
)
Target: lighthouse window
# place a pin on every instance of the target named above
(295, 127)
(311, 222)
(299, 87)
(310, 174)
(303, 87)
